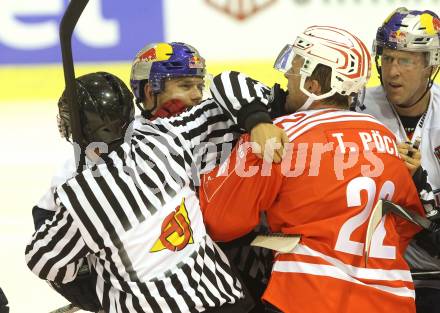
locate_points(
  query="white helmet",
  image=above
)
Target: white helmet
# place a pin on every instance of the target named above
(410, 30)
(343, 52)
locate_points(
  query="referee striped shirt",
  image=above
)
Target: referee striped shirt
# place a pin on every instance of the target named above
(136, 216)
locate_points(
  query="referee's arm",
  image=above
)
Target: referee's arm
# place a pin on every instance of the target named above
(56, 250)
(239, 103)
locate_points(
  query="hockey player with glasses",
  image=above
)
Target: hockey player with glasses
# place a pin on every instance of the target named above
(136, 216)
(315, 196)
(407, 54)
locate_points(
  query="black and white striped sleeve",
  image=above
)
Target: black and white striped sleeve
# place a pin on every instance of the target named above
(56, 250)
(242, 97)
(212, 127)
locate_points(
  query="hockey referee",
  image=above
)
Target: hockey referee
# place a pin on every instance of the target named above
(136, 216)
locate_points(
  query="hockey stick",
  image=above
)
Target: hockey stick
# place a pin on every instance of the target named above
(410, 216)
(68, 23)
(279, 242)
(70, 308)
(382, 208)
(426, 275)
(373, 222)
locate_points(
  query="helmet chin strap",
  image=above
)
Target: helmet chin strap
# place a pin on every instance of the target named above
(306, 104)
(311, 96)
(147, 114)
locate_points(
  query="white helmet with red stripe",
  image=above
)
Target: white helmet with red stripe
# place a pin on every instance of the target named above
(343, 52)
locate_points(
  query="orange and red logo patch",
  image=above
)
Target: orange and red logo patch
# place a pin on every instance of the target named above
(176, 232)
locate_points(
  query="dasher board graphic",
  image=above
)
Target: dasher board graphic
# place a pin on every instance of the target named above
(107, 30)
(240, 9)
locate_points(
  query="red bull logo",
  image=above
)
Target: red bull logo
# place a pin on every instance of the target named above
(148, 55)
(160, 52)
(436, 24)
(397, 36)
(400, 36)
(430, 23)
(197, 62)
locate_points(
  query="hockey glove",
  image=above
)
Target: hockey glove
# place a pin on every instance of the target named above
(81, 292)
(426, 195)
(277, 101)
(3, 303)
(40, 216)
(429, 241)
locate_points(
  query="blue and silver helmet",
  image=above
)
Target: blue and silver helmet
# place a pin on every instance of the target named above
(410, 30)
(159, 61)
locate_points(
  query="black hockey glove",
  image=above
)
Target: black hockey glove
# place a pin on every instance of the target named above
(420, 179)
(81, 292)
(40, 216)
(3, 303)
(277, 101)
(429, 241)
(426, 196)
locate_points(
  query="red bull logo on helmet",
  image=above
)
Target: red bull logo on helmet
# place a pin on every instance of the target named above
(430, 23)
(398, 37)
(436, 24)
(196, 62)
(160, 52)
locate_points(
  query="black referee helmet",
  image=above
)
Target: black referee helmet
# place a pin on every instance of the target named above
(106, 108)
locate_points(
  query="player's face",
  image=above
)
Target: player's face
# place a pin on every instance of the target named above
(296, 98)
(186, 89)
(404, 75)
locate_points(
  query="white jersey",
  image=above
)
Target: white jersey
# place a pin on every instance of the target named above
(428, 131)
(66, 171)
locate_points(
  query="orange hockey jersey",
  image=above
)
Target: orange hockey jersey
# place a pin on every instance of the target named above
(339, 164)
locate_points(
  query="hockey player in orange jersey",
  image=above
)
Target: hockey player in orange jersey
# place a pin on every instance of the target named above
(340, 164)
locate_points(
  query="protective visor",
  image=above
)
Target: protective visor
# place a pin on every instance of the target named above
(284, 60)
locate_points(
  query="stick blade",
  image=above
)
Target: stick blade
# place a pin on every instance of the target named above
(70, 308)
(374, 221)
(408, 215)
(277, 242)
